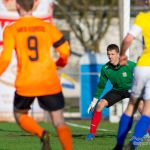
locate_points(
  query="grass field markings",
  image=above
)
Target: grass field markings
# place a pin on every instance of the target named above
(87, 127)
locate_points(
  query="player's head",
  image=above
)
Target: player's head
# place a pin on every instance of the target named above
(113, 47)
(27, 5)
(113, 53)
(147, 2)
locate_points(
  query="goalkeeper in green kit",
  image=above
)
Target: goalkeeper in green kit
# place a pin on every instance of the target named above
(121, 80)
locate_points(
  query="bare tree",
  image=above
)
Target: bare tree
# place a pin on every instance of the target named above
(88, 19)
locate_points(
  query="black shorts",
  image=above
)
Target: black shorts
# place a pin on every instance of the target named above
(114, 96)
(47, 102)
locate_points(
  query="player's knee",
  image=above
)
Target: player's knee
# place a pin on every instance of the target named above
(130, 108)
(58, 123)
(18, 114)
(101, 105)
(141, 106)
(135, 96)
(146, 110)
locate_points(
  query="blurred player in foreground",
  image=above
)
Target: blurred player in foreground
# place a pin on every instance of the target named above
(141, 84)
(37, 75)
(121, 79)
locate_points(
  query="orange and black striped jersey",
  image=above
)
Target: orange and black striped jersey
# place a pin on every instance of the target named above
(32, 39)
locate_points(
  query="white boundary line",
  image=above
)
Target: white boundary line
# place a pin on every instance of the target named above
(87, 127)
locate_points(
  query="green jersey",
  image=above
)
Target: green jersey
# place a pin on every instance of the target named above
(119, 76)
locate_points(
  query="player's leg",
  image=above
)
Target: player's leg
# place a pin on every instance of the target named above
(26, 122)
(141, 106)
(125, 125)
(140, 109)
(54, 104)
(127, 117)
(108, 100)
(96, 118)
(63, 131)
(144, 120)
(141, 126)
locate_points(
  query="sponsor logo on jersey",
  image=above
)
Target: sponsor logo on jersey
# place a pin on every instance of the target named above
(124, 74)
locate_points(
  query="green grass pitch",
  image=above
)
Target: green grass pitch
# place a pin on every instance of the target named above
(13, 138)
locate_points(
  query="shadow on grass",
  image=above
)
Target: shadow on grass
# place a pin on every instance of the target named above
(11, 133)
(3, 130)
(81, 136)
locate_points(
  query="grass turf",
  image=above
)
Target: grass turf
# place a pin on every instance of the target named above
(13, 138)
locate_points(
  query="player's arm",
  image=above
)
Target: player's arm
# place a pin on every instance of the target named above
(124, 46)
(61, 45)
(100, 87)
(126, 43)
(6, 54)
(64, 52)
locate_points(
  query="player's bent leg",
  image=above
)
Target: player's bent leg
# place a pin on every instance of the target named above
(96, 118)
(28, 123)
(140, 109)
(125, 125)
(143, 122)
(146, 112)
(63, 131)
(65, 136)
(130, 108)
(101, 105)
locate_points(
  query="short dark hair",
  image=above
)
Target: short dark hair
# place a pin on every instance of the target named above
(113, 47)
(27, 5)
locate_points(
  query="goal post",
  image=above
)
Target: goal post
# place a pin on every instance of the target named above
(124, 17)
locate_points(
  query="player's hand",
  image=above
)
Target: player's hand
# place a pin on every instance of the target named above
(61, 62)
(123, 60)
(92, 105)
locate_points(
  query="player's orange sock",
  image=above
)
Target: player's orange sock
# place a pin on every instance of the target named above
(95, 121)
(65, 137)
(30, 125)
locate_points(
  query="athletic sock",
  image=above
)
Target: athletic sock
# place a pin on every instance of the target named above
(95, 121)
(65, 137)
(148, 130)
(30, 125)
(140, 130)
(124, 126)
